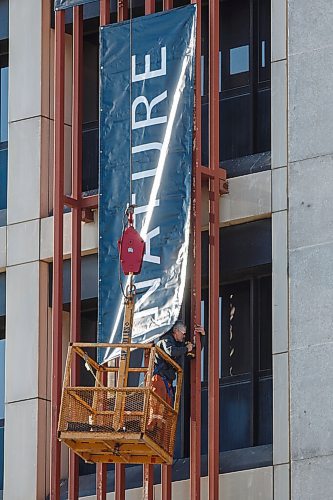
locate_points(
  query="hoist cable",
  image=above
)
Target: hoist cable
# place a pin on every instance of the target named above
(130, 89)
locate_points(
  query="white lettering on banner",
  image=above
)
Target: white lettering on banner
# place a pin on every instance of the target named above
(154, 259)
(137, 77)
(152, 201)
(148, 122)
(152, 285)
(154, 232)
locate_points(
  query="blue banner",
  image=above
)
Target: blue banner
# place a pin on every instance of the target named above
(65, 4)
(146, 121)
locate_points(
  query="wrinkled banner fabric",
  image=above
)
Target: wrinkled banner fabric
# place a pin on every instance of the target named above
(151, 80)
(65, 4)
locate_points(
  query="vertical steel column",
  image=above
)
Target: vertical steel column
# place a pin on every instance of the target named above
(167, 4)
(166, 470)
(214, 193)
(149, 6)
(166, 482)
(119, 488)
(119, 482)
(101, 469)
(148, 469)
(76, 219)
(58, 205)
(195, 422)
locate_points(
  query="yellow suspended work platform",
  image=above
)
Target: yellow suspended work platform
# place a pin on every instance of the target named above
(119, 417)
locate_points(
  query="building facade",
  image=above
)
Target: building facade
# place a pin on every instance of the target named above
(275, 292)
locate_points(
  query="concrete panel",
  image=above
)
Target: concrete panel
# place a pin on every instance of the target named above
(279, 189)
(281, 482)
(312, 479)
(280, 409)
(23, 242)
(28, 170)
(256, 484)
(89, 237)
(279, 30)
(249, 198)
(3, 247)
(24, 169)
(22, 333)
(310, 104)
(311, 382)
(311, 203)
(279, 106)
(310, 25)
(25, 48)
(25, 445)
(280, 281)
(311, 295)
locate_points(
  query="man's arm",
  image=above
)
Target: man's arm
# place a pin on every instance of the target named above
(169, 346)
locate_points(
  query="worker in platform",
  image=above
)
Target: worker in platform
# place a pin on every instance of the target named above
(172, 343)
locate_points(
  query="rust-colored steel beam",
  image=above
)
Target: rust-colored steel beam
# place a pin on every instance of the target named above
(166, 470)
(119, 486)
(122, 10)
(59, 94)
(214, 194)
(92, 202)
(167, 4)
(149, 6)
(148, 469)
(166, 482)
(86, 202)
(101, 469)
(195, 422)
(104, 12)
(76, 219)
(101, 473)
(148, 482)
(122, 15)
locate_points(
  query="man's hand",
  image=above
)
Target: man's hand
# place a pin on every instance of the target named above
(199, 329)
(189, 346)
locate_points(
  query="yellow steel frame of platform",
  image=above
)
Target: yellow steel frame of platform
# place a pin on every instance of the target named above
(114, 423)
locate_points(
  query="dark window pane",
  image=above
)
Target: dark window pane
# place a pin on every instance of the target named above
(90, 78)
(264, 41)
(90, 112)
(3, 178)
(264, 420)
(235, 43)
(265, 323)
(2, 328)
(90, 157)
(4, 104)
(235, 126)
(235, 410)
(236, 329)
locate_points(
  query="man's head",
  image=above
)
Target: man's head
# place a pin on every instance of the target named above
(179, 331)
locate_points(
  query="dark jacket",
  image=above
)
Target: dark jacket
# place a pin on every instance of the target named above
(176, 351)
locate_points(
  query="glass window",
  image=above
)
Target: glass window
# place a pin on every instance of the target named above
(245, 310)
(239, 60)
(244, 85)
(3, 128)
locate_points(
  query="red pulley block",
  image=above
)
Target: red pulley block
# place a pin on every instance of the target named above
(131, 249)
